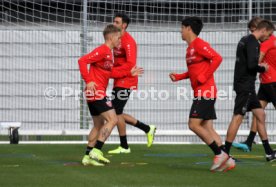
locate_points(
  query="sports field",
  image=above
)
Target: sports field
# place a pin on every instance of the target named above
(161, 165)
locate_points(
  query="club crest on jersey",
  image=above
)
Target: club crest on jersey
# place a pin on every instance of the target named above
(108, 65)
(192, 51)
(109, 103)
(117, 50)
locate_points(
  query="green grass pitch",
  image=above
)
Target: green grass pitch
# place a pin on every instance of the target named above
(159, 166)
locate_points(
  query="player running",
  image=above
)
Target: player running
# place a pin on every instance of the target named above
(125, 56)
(96, 79)
(202, 61)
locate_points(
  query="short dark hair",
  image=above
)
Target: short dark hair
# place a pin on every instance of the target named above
(268, 25)
(195, 23)
(109, 29)
(253, 23)
(125, 18)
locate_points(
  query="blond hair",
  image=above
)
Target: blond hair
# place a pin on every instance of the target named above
(110, 29)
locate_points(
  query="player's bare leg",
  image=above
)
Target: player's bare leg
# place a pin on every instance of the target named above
(232, 131)
(98, 122)
(246, 146)
(130, 119)
(111, 120)
(121, 126)
(260, 117)
(208, 124)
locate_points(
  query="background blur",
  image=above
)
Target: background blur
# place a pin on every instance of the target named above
(41, 41)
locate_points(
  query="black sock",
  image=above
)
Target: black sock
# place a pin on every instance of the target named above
(222, 148)
(250, 138)
(215, 148)
(123, 140)
(142, 126)
(99, 145)
(267, 147)
(88, 149)
(227, 147)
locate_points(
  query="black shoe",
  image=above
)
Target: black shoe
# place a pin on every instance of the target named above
(272, 157)
(245, 142)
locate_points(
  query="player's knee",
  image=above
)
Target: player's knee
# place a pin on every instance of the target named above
(261, 117)
(97, 128)
(191, 126)
(113, 121)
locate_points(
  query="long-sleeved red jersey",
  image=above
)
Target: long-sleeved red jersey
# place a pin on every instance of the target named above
(202, 61)
(268, 47)
(124, 60)
(101, 63)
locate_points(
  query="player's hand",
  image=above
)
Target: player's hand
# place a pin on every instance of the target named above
(172, 76)
(136, 71)
(265, 65)
(91, 86)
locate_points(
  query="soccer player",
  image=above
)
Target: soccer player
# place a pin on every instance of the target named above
(96, 79)
(246, 145)
(124, 59)
(246, 69)
(202, 61)
(253, 23)
(267, 89)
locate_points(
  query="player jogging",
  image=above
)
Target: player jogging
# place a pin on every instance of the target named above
(202, 61)
(125, 56)
(96, 79)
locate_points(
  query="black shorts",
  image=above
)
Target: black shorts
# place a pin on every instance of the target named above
(203, 109)
(120, 97)
(267, 92)
(99, 106)
(246, 101)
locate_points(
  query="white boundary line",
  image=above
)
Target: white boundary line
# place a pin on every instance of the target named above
(109, 142)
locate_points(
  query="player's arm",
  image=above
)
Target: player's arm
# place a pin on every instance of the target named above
(215, 60)
(253, 58)
(262, 55)
(135, 71)
(87, 59)
(177, 77)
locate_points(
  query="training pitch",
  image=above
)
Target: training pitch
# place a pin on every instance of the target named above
(159, 166)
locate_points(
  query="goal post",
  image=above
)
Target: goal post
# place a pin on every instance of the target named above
(42, 40)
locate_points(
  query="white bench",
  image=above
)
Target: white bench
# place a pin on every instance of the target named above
(13, 130)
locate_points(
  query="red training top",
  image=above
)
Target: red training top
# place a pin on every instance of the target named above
(268, 47)
(101, 63)
(202, 61)
(124, 60)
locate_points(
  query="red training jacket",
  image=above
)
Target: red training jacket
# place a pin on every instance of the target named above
(202, 61)
(124, 60)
